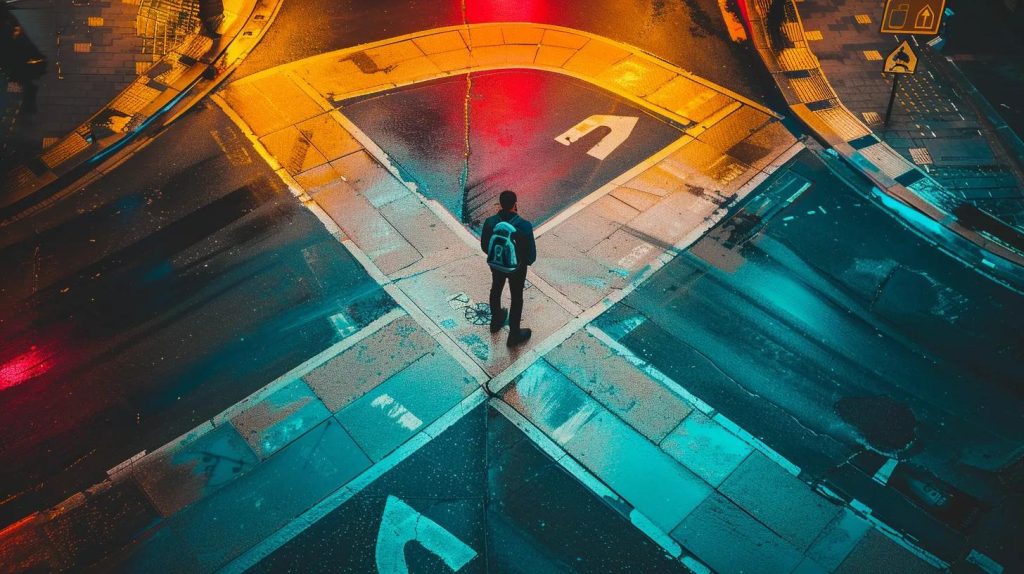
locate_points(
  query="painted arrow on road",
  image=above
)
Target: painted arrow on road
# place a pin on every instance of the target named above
(402, 524)
(621, 127)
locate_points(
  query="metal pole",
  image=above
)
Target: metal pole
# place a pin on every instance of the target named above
(892, 97)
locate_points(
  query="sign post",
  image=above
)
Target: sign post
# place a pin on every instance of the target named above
(900, 61)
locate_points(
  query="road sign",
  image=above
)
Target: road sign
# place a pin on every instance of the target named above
(902, 60)
(912, 16)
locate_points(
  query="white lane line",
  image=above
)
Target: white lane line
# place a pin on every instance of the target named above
(298, 525)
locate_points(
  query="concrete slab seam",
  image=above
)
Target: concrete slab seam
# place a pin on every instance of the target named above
(382, 158)
(256, 553)
(371, 268)
(310, 364)
(586, 478)
(763, 448)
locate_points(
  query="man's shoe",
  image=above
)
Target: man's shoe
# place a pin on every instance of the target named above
(517, 338)
(498, 321)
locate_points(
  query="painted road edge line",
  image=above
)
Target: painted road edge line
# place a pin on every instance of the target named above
(332, 502)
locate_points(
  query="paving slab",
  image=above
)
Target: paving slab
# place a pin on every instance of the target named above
(280, 418)
(780, 500)
(617, 384)
(646, 477)
(369, 178)
(627, 253)
(877, 554)
(437, 243)
(328, 136)
(551, 401)
(357, 217)
(581, 279)
(270, 103)
(455, 297)
(728, 539)
(186, 470)
(595, 222)
(220, 527)
(706, 448)
(837, 540)
(406, 403)
(368, 363)
(293, 150)
(638, 200)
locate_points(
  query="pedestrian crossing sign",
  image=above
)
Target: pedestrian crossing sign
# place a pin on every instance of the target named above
(912, 16)
(902, 60)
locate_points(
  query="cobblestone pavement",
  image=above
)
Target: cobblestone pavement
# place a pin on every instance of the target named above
(933, 124)
(95, 49)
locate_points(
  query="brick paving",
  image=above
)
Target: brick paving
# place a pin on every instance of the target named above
(103, 46)
(931, 114)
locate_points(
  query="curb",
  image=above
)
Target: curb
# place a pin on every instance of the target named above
(183, 76)
(813, 100)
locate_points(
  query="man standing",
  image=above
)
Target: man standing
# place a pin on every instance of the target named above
(507, 239)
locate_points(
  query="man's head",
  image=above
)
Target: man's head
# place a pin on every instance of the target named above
(507, 199)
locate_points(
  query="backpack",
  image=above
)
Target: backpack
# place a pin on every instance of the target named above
(501, 251)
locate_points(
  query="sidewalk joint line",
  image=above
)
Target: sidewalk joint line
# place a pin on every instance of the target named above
(261, 550)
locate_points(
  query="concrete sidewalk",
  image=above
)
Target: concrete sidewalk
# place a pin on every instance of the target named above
(122, 67)
(709, 492)
(806, 84)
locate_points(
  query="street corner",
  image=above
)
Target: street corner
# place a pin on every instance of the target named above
(455, 297)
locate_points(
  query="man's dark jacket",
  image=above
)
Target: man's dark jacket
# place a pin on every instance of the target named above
(526, 247)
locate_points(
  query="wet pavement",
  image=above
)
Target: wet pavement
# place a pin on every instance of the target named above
(690, 34)
(465, 155)
(154, 298)
(820, 324)
(502, 505)
(145, 304)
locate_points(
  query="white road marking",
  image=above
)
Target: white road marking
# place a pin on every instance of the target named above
(397, 412)
(402, 524)
(621, 127)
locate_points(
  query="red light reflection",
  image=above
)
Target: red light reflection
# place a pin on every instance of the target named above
(24, 367)
(507, 10)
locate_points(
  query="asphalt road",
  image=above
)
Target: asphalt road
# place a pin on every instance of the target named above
(154, 298)
(506, 504)
(689, 33)
(505, 139)
(832, 331)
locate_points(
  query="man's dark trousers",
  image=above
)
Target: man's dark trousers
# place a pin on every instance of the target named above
(516, 283)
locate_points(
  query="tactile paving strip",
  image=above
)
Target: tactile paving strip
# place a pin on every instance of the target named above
(134, 98)
(68, 147)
